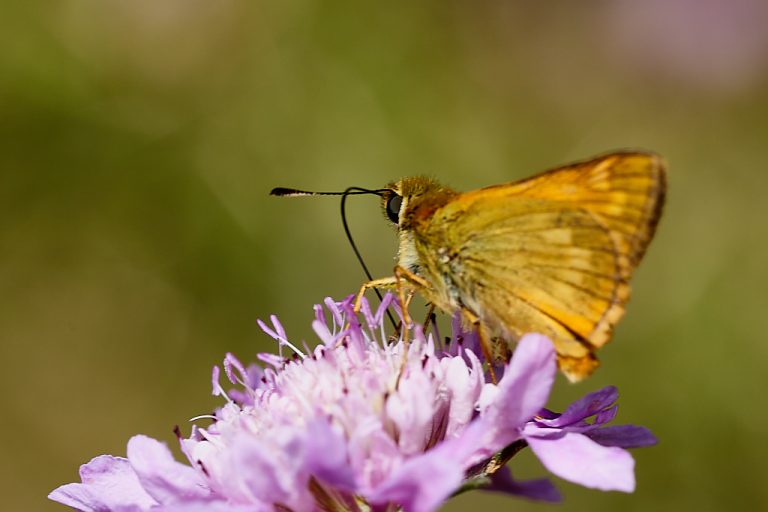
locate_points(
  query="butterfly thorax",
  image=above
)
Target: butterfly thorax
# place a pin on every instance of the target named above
(423, 197)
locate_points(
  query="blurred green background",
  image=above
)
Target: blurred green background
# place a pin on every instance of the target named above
(139, 140)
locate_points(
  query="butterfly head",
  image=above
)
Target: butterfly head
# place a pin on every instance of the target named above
(410, 199)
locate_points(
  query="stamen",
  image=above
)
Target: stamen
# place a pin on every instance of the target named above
(204, 417)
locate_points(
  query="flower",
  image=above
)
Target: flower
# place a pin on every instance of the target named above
(362, 423)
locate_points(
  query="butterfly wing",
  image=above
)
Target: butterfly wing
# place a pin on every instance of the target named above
(551, 254)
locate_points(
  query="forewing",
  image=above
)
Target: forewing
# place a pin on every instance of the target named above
(624, 191)
(554, 253)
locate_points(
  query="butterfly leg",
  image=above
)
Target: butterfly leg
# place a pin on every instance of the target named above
(402, 279)
(394, 282)
(382, 284)
(485, 340)
(401, 275)
(387, 283)
(430, 318)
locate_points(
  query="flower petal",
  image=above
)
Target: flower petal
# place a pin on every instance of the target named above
(261, 471)
(161, 476)
(422, 483)
(108, 483)
(464, 383)
(623, 436)
(605, 416)
(525, 387)
(217, 506)
(576, 458)
(412, 409)
(540, 489)
(585, 407)
(326, 456)
(374, 454)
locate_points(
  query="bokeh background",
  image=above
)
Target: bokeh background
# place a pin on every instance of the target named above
(139, 140)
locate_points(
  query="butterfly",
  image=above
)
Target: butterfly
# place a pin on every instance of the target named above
(551, 254)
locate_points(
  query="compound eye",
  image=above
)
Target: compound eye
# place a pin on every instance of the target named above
(393, 208)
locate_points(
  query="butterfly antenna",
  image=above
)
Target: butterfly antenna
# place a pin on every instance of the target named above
(348, 192)
(351, 191)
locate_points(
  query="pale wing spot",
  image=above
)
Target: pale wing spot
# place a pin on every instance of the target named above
(562, 236)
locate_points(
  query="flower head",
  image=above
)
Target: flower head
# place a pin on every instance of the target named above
(363, 422)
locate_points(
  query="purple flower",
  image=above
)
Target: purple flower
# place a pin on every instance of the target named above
(584, 452)
(357, 424)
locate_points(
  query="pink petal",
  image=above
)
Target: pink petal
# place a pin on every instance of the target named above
(577, 458)
(373, 454)
(326, 456)
(216, 506)
(255, 473)
(464, 389)
(412, 408)
(163, 478)
(422, 484)
(525, 387)
(623, 436)
(108, 483)
(323, 332)
(587, 406)
(540, 489)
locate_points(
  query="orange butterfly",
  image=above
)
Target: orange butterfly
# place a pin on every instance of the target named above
(551, 254)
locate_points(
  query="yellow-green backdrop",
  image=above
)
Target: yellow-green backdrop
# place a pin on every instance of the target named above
(139, 140)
